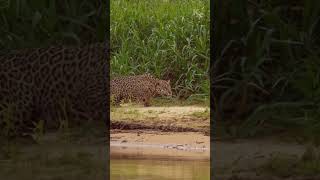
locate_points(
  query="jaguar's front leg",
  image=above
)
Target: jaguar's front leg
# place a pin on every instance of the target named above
(146, 101)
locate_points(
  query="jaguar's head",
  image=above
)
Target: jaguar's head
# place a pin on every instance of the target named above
(163, 88)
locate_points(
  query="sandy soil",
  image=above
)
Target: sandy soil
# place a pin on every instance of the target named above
(195, 140)
(183, 145)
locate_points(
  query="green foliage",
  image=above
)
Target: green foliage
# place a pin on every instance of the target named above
(42, 23)
(267, 63)
(169, 39)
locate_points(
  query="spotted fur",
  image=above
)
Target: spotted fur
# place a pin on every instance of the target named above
(37, 83)
(139, 88)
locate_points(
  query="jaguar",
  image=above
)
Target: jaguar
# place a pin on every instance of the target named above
(139, 88)
(54, 82)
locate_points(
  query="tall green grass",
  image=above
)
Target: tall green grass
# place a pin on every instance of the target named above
(267, 63)
(167, 38)
(41, 23)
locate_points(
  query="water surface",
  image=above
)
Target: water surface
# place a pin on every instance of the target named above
(140, 164)
(155, 169)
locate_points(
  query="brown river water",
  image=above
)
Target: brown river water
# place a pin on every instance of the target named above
(155, 163)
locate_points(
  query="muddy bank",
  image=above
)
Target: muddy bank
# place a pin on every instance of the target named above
(122, 125)
(160, 132)
(159, 145)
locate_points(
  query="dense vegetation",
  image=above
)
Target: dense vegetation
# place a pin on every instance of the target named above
(169, 39)
(41, 23)
(267, 60)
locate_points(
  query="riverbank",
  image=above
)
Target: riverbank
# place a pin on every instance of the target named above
(160, 145)
(161, 131)
(161, 118)
(182, 133)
